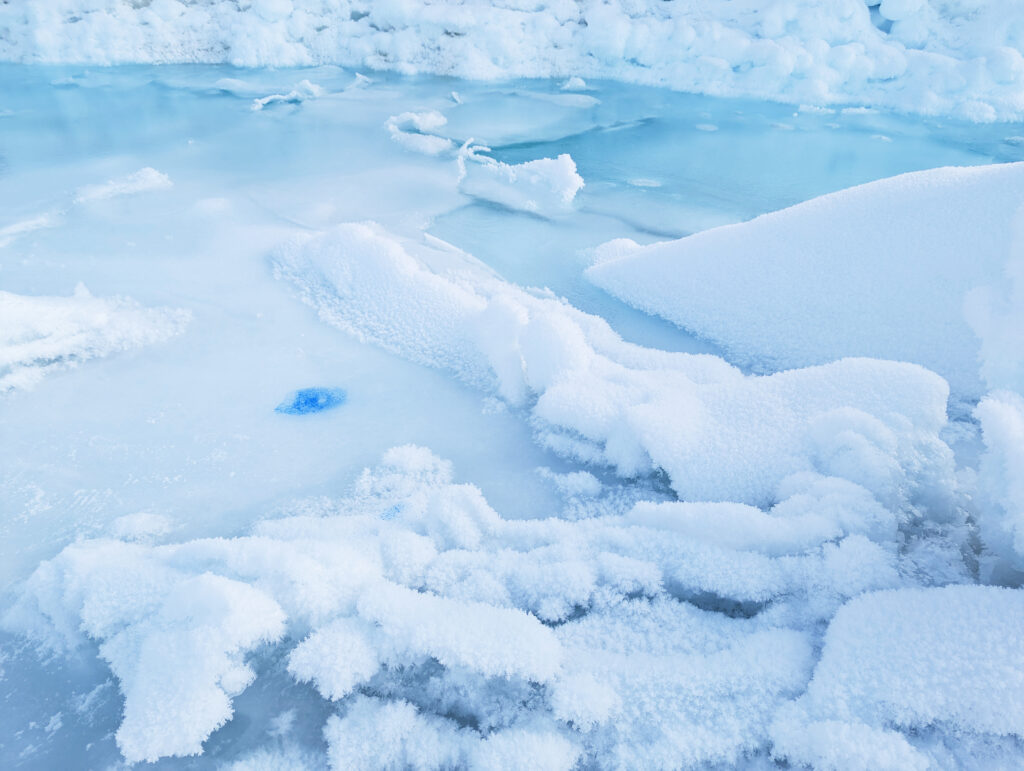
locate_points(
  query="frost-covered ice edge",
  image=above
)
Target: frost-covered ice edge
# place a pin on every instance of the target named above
(959, 57)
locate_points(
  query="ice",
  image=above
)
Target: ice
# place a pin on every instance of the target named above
(640, 540)
(138, 182)
(883, 256)
(959, 57)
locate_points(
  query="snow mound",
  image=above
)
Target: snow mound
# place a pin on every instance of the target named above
(881, 270)
(39, 335)
(943, 658)
(449, 636)
(932, 56)
(719, 435)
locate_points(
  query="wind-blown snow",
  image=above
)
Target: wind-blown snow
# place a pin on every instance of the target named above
(39, 335)
(932, 56)
(882, 270)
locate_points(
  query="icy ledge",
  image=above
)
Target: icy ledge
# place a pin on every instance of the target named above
(959, 57)
(468, 640)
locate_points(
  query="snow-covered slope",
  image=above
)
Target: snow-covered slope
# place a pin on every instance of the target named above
(933, 56)
(885, 270)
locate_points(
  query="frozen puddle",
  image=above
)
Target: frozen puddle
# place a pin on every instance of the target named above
(322, 420)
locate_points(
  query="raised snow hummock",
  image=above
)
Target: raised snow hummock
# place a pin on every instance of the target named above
(881, 270)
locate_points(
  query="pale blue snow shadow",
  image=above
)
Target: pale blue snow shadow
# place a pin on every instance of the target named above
(307, 400)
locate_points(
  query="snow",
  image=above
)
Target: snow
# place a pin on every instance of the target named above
(838, 275)
(909, 659)
(442, 603)
(137, 182)
(39, 335)
(958, 57)
(718, 434)
(1001, 481)
(545, 186)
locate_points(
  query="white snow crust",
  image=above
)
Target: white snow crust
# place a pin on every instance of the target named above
(959, 57)
(885, 270)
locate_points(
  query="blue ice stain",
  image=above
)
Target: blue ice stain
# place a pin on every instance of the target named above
(307, 400)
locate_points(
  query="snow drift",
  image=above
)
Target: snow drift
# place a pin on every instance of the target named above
(884, 270)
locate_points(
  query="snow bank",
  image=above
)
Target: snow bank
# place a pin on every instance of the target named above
(933, 56)
(909, 660)
(39, 335)
(881, 270)
(718, 434)
(450, 636)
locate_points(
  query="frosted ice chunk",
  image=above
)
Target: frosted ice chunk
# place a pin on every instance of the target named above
(303, 91)
(415, 131)
(545, 186)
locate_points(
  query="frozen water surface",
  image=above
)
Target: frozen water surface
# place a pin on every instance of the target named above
(141, 405)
